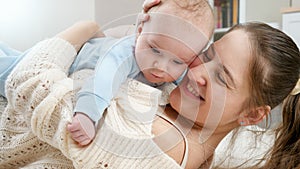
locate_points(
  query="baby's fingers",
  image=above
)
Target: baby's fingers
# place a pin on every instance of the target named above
(82, 140)
(85, 142)
(74, 126)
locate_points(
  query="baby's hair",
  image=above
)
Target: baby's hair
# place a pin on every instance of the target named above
(196, 11)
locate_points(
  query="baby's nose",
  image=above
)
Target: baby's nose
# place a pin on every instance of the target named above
(161, 65)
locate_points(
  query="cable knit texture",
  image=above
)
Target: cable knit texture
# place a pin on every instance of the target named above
(40, 102)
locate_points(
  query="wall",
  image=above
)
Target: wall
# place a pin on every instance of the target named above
(266, 10)
(296, 3)
(25, 22)
(116, 12)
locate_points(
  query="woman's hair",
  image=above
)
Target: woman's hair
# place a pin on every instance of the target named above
(286, 150)
(275, 65)
(274, 72)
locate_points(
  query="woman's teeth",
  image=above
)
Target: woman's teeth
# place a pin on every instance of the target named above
(192, 90)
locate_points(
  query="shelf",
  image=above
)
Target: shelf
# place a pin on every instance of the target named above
(290, 10)
(221, 30)
(226, 13)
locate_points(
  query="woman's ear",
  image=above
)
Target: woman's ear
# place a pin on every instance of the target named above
(255, 116)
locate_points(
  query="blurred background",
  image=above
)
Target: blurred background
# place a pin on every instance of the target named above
(25, 22)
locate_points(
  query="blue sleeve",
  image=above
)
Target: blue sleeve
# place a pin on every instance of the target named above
(90, 52)
(111, 71)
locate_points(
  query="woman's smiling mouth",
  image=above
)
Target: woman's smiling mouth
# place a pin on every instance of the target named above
(193, 91)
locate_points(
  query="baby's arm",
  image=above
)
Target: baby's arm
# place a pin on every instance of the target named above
(113, 67)
(82, 128)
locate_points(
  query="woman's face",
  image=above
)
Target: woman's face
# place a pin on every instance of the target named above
(213, 92)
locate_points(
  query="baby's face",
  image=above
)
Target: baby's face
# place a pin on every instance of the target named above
(166, 46)
(161, 58)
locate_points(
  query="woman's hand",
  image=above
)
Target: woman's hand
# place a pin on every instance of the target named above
(79, 33)
(148, 4)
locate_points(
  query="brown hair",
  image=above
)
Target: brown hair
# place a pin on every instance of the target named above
(286, 150)
(275, 67)
(274, 72)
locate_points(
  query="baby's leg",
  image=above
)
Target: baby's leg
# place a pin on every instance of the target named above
(9, 58)
(81, 32)
(7, 64)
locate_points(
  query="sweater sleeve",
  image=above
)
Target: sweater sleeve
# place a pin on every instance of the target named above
(30, 81)
(40, 88)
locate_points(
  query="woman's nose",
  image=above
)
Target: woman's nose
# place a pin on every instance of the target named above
(198, 74)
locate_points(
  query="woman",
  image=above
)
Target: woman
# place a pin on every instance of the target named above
(270, 55)
(195, 92)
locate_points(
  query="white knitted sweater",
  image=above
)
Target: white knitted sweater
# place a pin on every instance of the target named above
(40, 102)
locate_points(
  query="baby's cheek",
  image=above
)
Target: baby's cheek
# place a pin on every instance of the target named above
(178, 72)
(170, 78)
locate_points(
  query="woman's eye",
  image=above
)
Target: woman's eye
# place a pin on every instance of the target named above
(221, 78)
(205, 57)
(155, 50)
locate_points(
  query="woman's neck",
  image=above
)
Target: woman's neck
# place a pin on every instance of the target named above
(195, 130)
(202, 141)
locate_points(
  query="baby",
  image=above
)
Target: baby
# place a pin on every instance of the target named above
(178, 30)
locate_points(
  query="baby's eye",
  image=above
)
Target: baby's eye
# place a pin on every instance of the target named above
(155, 50)
(178, 62)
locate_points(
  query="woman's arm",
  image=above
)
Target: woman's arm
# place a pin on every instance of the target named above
(81, 32)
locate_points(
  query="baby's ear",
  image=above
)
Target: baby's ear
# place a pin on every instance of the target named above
(255, 116)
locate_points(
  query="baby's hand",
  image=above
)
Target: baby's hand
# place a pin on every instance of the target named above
(82, 129)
